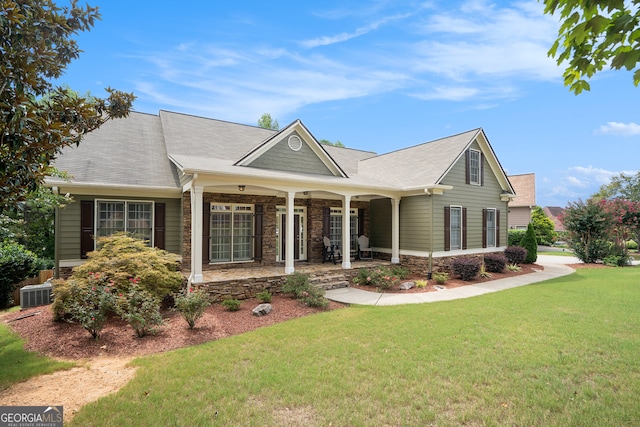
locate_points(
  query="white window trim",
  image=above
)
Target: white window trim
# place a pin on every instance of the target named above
(451, 248)
(495, 227)
(96, 216)
(232, 209)
(471, 181)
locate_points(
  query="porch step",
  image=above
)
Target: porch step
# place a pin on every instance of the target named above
(326, 282)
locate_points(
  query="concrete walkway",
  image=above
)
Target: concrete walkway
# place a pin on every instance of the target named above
(554, 266)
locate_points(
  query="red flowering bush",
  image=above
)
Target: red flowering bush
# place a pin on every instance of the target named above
(90, 305)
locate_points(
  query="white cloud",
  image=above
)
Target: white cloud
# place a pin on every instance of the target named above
(476, 52)
(483, 40)
(590, 175)
(617, 128)
(342, 37)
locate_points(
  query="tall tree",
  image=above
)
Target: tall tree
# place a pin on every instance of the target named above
(622, 186)
(543, 226)
(335, 144)
(267, 122)
(37, 118)
(588, 228)
(594, 35)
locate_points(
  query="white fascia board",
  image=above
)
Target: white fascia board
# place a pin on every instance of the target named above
(100, 189)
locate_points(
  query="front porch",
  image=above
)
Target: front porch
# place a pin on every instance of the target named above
(246, 282)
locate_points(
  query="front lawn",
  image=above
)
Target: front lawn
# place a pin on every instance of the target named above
(563, 352)
(16, 364)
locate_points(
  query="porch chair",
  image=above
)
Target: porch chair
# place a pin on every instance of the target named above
(329, 253)
(363, 248)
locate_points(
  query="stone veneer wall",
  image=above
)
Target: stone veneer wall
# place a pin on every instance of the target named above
(248, 288)
(420, 265)
(314, 226)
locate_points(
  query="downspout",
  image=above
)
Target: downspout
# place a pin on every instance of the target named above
(56, 237)
(430, 272)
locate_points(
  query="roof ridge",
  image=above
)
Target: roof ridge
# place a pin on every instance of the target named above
(214, 120)
(476, 130)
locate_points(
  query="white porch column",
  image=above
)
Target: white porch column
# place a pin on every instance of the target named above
(395, 231)
(346, 231)
(289, 245)
(196, 235)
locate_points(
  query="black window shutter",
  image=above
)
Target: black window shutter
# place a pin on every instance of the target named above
(484, 228)
(326, 222)
(258, 232)
(481, 169)
(86, 227)
(206, 231)
(447, 228)
(497, 227)
(467, 167)
(159, 226)
(360, 222)
(464, 228)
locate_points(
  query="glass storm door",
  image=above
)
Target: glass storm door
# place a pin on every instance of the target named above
(299, 237)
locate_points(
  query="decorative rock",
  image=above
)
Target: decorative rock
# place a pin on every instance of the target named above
(262, 310)
(405, 286)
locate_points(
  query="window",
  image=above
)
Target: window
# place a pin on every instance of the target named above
(133, 217)
(474, 167)
(231, 232)
(335, 229)
(491, 227)
(456, 227)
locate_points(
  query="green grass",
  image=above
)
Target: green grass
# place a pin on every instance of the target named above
(563, 352)
(17, 365)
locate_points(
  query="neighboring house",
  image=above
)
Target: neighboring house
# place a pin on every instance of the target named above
(555, 213)
(522, 205)
(223, 194)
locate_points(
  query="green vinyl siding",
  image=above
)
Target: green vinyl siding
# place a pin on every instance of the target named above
(473, 197)
(415, 212)
(69, 219)
(414, 223)
(281, 157)
(380, 223)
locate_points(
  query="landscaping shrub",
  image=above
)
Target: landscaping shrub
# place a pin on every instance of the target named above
(264, 296)
(617, 256)
(466, 268)
(632, 245)
(192, 306)
(515, 254)
(495, 263)
(530, 243)
(420, 284)
(514, 237)
(231, 304)
(440, 277)
(122, 258)
(141, 310)
(16, 264)
(514, 267)
(298, 285)
(380, 277)
(90, 304)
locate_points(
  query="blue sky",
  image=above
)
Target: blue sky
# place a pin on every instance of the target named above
(376, 75)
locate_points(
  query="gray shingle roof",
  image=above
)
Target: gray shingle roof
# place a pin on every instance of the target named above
(144, 150)
(127, 151)
(202, 137)
(421, 165)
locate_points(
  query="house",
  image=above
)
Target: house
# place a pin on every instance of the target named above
(555, 213)
(225, 195)
(522, 205)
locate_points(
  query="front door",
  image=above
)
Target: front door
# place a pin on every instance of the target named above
(299, 230)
